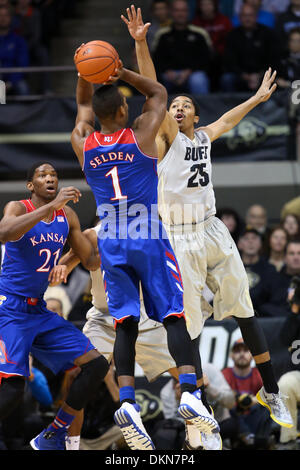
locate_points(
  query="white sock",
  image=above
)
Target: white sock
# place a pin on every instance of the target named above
(72, 442)
(193, 435)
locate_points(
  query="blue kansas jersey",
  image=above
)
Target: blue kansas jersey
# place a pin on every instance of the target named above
(29, 260)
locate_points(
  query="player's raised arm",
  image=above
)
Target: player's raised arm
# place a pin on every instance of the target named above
(148, 123)
(235, 115)
(85, 119)
(138, 31)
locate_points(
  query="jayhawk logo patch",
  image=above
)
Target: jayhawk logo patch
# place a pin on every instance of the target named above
(2, 299)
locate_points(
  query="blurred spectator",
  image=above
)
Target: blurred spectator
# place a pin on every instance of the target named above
(13, 53)
(291, 225)
(263, 17)
(289, 383)
(217, 25)
(58, 301)
(277, 246)
(232, 221)
(291, 207)
(182, 54)
(257, 267)
(159, 18)
(289, 67)
(287, 21)
(273, 6)
(257, 217)
(27, 23)
(274, 298)
(254, 420)
(249, 52)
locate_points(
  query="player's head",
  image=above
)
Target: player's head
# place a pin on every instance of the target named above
(42, 180)
(109, 104)
(185, 110)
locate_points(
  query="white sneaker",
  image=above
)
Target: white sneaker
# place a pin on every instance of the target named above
(275, 404)
(211, 441)
(192, 409)
(128, 418)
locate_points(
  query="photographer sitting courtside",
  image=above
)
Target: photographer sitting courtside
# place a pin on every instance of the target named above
(254, 422)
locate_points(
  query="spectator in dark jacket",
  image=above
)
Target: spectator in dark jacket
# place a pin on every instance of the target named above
(27, 23)
(217, 25)
(248, 54)
(13, 53)
(274, 298)
(257, 267)
(289, 66)
(181, 54)
(288, 21)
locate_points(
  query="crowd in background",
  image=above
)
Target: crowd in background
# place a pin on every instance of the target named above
(198, 46)
(27, 28)
(201, 46)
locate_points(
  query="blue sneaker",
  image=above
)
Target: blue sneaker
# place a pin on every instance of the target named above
(192, 409)
(49, 440)
(128, 419)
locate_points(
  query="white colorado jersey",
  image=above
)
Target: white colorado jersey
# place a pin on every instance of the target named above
(185, 190)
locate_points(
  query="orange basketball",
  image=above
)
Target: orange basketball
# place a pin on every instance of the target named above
(96, 61)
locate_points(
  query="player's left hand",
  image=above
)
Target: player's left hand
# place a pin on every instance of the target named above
(268, 86)
(136, 27)
(58, 274)
(116, 75)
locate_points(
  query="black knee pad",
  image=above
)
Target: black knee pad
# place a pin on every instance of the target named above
(86, 383)
(11, 393)
(253, 335)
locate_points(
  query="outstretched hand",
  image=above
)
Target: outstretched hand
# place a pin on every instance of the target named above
(136, 27)
(268, 86)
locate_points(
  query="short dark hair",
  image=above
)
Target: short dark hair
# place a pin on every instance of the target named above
(36, 165)
(107, 99)
(193, 100)
(295, 240)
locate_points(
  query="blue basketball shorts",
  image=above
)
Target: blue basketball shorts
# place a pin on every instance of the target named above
(34, 329)
(151, 263)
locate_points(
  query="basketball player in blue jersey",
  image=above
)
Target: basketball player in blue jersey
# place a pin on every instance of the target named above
(120, 166)
(204, 248)
(34, 232)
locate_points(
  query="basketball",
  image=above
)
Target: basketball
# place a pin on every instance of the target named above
(96, 61)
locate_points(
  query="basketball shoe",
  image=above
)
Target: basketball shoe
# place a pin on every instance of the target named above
(128, 418)
(192, 409)
(49, 440)
(274, 402)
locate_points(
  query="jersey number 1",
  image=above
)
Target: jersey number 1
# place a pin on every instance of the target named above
(116, 184)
